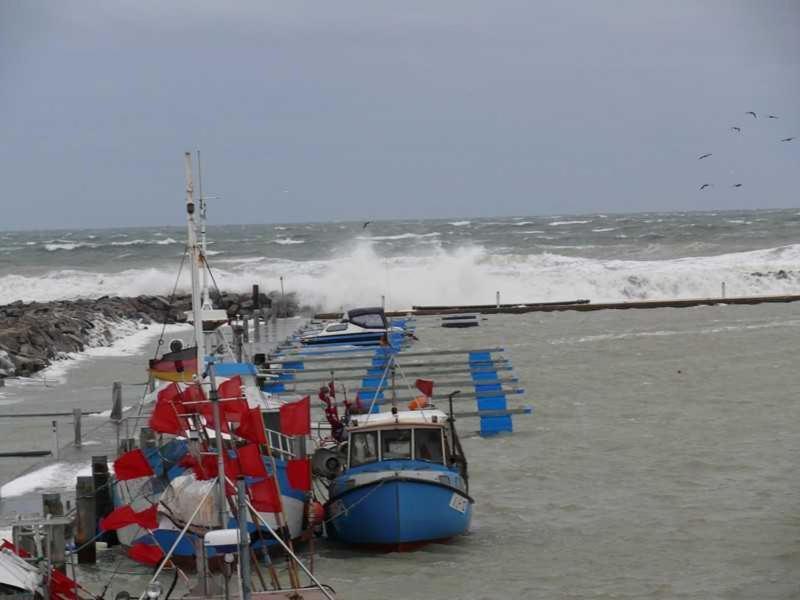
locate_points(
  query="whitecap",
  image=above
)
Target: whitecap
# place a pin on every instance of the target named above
(556, 223)
(287, 241)
(604, 229)
(460, 223)
(400, 236)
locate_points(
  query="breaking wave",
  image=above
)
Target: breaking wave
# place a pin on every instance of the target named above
(469, 274)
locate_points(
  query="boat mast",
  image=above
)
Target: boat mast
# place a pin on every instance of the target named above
(195, 260)
(203, 207)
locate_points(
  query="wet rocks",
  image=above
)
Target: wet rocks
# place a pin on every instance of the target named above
(34, 334)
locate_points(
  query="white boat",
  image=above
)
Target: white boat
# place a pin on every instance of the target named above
(358, 327)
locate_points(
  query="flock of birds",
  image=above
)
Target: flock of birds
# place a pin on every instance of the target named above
(736, 129)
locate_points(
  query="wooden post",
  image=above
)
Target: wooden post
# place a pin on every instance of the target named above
(104, 502)
(126, 445)
(85, 522)
(497, 299)
(52, 507)
(257, 326)
(245, 329)
(116, 401)
(147, 438)
(77, 413)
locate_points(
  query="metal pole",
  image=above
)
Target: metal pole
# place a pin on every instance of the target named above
(244, 538)
(54, 431)
(283, 307)
(195, 264)
(213, 396)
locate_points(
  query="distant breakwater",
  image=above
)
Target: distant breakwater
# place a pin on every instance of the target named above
(34, 334)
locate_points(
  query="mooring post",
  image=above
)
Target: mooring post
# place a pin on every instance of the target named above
(77, 414)
(54, 431)
(104, 502)
(383, 302)
(85, 521)
(56, 546)
(723, 289)
(245, 329)
(147, 438)
(497, 298)
(257, 325)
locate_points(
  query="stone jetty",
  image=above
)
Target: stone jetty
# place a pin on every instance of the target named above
(34, 334)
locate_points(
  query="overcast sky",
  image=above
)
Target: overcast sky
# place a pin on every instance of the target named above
(374, 109)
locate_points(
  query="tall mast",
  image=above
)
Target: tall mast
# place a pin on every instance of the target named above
(195, 264)
(203, 207)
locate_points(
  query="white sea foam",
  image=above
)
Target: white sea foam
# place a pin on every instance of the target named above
(164, 242)
(359, 275)
(604, 229)
(460, 223)
(288, 241)
(59, 245)
(53, 477)
(399, 236)
(556, 223)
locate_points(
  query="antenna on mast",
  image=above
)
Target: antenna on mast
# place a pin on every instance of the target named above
(196, 261)
(206, 301)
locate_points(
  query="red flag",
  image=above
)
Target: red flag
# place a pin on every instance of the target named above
(299, 472)
(132, 464)
(146, 553)
(425, 386)
(234, 410)
(296, 417)
(232, 473)
(193, 395)
(62, 587)
(148, 518)
(232, 388)
(172, 395)
(207, 411)
(265, 497)
(121, 517)
(252, 427)
(165, 419)
(251, 462)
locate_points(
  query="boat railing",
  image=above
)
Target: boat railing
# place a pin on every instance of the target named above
(280, 443)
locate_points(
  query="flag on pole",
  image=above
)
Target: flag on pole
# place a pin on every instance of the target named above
(299, 473)
(425, 386)
(251, 462)
(251, 427)
(265, 496)
(147, 554)
(131, 465)
(296, 417)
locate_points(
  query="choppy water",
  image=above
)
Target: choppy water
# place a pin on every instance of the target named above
(661, 462)
(601, 257)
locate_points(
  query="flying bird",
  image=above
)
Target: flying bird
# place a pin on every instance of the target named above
(773, 117)
(702, 156)
(750, 112)
(736, 129)
(789, 139)
(365, 224)
(737, 185)
(705, 185)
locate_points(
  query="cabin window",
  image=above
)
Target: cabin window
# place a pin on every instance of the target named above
(363, 448)
(369, 321)
(395, 444)
(336, 327)
(428, 445)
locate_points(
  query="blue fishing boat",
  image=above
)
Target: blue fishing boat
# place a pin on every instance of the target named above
(404, 482)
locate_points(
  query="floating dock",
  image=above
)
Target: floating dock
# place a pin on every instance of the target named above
(421, 311)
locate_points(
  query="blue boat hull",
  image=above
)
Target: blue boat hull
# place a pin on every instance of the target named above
(399, 513)
(369, 338)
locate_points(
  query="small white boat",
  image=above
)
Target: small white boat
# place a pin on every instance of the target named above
(359, 327)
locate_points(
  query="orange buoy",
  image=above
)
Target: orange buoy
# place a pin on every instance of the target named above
(316, 513)
(418, 403)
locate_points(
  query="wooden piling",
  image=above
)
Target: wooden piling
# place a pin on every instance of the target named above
(76, 421)
(54, 432)
(85, 522)
(126, 445)
(147, 438)
(56, 546)
(116, 401)
(245, 329)
(104, 501)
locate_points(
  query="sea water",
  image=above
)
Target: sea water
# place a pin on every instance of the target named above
(661, 457)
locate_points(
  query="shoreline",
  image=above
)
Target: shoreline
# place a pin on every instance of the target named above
(33, 335)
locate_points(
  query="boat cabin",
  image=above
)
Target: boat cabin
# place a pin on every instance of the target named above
(408, 435)
(368, 318)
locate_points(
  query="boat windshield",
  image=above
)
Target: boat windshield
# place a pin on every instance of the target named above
(395, 444)
(369, 321)
(336, 327)
(363, 448)
(428, 445)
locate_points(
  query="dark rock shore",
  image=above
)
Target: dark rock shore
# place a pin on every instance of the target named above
(34, 334)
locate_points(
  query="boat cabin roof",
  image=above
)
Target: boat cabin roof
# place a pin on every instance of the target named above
(385, 420)
(369, 318)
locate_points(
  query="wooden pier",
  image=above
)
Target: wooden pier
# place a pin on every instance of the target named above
(585, 306)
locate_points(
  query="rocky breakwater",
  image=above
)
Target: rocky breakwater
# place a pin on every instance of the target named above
(34, 334)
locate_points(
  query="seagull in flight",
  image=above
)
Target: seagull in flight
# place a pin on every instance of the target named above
(702, 156)
(705, 185)
(736, 129)
(773, 117)
(750, 112)
(365, 224)
(737, 185)
(789, 139)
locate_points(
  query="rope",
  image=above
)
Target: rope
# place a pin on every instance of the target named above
(171, 299)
